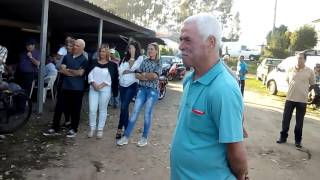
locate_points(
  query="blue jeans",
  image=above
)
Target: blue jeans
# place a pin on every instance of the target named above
(126, 95)
(114, 101)
(149, 97)
(98, 99)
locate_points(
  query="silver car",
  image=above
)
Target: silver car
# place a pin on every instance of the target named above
(266, 66)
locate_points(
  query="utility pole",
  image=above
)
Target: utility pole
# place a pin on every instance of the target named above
(274, 16)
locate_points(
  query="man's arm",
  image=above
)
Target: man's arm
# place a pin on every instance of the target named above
(236, 155)
(78, 72)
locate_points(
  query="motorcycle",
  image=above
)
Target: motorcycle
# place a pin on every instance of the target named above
(177, 71)
(314, 97)
(163, 81)
(15, 107)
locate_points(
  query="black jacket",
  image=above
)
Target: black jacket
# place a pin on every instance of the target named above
(113, 70)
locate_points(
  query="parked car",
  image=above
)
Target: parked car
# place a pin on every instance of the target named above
(276, 79)
(265, 67)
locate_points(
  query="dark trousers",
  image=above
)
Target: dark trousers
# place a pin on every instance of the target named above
(73, 102)
(58, 110)
(287, 114)
(242, 83)
(126, 95)
(25, 81)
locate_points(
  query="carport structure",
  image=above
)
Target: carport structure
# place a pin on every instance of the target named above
(54, 18)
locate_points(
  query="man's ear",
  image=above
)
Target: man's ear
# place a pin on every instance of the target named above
(212, 41)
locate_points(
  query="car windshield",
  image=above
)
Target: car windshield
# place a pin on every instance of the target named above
(273, 62)
(166, 60)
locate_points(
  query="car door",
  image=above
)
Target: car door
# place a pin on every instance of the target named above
(281, 75)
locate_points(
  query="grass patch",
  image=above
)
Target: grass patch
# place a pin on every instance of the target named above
(255, 85)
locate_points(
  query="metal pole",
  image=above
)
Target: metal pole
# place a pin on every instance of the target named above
(43, 46)
(275, 16)
(100, 33)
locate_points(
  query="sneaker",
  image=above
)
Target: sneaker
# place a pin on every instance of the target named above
(99, 134)
(71, 133)
(50, 132)
(142, 142)
(298, 145)
(281, 141)
(123, 141)
(90, 133)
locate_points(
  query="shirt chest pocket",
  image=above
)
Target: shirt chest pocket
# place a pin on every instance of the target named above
(199, 121)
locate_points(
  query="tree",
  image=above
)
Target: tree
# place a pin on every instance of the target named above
(303, 38)
(167, 15)
(278, 42)
(222, 8)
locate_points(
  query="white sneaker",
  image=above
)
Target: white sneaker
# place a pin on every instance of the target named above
(90, 133)
(142, 142)
(123, 141)
(99, 134)
(71, 134)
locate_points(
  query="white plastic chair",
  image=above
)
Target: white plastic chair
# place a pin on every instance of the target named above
(49, 86)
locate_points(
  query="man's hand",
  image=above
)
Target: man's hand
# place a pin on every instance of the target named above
(79, 72)
(29, 54)
(236, 155)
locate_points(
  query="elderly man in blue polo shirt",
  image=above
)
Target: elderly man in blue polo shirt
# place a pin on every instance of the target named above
(207, 143)
(73, 68)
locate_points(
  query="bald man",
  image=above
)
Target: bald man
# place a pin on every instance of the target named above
(73, 68)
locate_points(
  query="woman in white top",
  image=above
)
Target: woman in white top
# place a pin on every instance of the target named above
(100, 92)
(128, 82)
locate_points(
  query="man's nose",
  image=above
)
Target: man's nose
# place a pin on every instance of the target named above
(181, 46)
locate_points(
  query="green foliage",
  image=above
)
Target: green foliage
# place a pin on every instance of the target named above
(167, 15)
(303, 38)
(278, 43)
(281, 43)
(166, 51)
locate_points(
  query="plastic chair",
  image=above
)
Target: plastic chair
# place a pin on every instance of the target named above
(47, 87)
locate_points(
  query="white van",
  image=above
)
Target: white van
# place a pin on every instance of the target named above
(276, 79)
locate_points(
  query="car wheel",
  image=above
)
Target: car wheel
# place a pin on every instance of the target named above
(272, 87)
(251, 57)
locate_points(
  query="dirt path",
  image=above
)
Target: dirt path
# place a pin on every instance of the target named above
(90, 159)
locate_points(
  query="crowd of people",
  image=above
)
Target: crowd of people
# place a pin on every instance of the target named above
(111, 81)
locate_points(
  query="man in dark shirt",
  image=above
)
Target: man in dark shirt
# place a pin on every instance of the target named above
(73, 68)
(29, 61)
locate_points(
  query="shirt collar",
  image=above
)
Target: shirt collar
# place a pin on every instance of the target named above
(213, 72)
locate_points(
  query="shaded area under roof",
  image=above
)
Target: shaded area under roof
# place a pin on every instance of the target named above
(73, 16)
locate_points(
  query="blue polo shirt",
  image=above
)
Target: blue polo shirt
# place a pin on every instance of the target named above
(76, 83)
(210, 116)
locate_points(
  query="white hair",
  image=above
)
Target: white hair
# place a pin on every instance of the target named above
(82, 42)
(207, 25)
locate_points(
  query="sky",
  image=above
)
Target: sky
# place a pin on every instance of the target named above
(256, 17)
